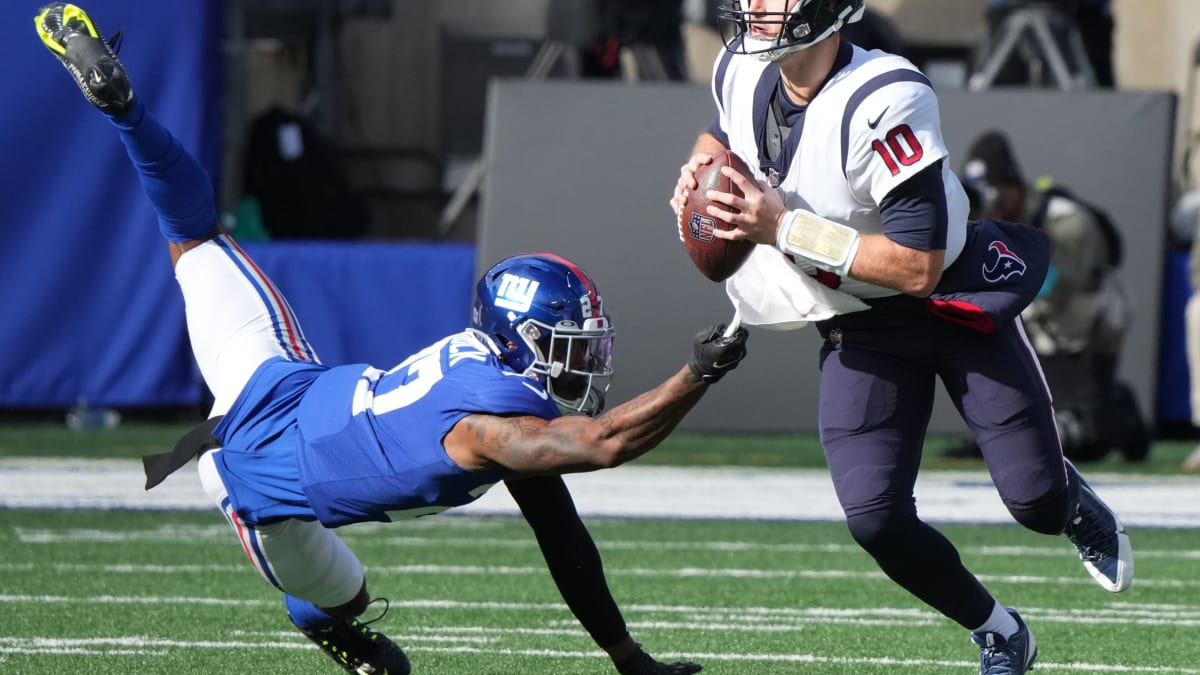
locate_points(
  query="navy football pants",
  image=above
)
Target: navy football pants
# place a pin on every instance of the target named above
(878, 373)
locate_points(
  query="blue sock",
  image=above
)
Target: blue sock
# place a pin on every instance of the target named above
(307, 615)
(178, 187)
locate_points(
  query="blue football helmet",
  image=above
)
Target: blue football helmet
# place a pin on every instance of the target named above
(548, 323)
(772, 35)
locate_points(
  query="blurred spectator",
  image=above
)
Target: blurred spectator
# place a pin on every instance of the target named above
(1095, 20)
(1078, 321)
(875, 31)
(651, 30)
(297, 178)
(1092, 20)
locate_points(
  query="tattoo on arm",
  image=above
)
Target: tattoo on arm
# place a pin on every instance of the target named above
(576, 443)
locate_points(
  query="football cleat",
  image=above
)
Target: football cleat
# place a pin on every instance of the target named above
(70, 34)
(1100, 539)
(1013, 655)
(360, 649)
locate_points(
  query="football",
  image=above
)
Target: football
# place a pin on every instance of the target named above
(716, 258)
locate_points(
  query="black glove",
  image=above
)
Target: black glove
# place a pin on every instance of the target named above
(713, 355)
(641, 663)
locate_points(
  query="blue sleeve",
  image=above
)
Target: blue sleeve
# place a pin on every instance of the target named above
(914, 213)
(716, 130)
(490, 391)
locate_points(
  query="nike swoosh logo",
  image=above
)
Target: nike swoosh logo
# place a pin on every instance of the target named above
(875, 122)
(537, 390)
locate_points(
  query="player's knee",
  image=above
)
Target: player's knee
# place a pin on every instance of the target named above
(1046, 514)
(880, 530)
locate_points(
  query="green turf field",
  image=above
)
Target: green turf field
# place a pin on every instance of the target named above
(166, 592)
(171, 593)
(683, 449)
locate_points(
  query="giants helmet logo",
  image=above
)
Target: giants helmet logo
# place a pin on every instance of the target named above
(701, 227)
(516, 293)
(1005, 265)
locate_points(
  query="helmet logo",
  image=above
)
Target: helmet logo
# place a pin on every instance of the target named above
(516, 293)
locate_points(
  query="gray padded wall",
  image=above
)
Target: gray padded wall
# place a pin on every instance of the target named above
(585, 169)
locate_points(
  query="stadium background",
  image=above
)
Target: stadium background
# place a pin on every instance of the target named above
(92, 310)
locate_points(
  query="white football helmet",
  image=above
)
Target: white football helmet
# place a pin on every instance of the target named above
(772, 35)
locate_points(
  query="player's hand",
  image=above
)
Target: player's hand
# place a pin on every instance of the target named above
(687, 182)
(641, 663)
(755, 215)
(713, 354)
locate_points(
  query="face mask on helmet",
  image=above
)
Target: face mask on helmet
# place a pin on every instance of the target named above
(548, 323)
(772, 35)
(576, 362)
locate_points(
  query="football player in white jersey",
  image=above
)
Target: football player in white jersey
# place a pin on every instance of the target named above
(854, 191)
(296, 448)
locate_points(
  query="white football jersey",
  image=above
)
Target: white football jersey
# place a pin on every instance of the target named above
(874, 125)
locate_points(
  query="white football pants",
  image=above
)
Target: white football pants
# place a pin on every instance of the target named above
(236, 320)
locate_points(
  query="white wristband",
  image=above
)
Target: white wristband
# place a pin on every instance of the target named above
(828, 245)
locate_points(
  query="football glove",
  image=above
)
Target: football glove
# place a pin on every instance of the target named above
(641, 663)
(713, 354)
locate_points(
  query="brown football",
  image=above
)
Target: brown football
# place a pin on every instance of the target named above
(716, 258)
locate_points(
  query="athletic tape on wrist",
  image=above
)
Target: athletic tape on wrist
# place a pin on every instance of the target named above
(828, 245)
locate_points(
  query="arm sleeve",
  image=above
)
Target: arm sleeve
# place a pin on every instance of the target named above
(915, 213)
(571, 555)
(718, 132)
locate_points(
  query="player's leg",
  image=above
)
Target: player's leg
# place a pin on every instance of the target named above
(324, 582)
(998, 386)
(236, 317)
(237, 320)
(876, 399)
(874, 407)
(177, 186)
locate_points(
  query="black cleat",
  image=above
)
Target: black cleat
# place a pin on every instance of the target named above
(360, 649)
(69, 33)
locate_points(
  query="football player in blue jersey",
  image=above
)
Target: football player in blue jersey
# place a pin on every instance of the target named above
(855, 204)
(302, 448)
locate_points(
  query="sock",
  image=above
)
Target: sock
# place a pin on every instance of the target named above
(307, 615)
(178, 187)
(1000, 622)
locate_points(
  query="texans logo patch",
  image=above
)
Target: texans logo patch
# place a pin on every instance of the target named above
(1007, 264)
(701, 227)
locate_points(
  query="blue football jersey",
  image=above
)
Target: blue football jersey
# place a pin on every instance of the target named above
(354, 443)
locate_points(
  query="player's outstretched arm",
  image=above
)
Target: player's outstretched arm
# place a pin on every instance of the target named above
(532, 445)
(575, 565)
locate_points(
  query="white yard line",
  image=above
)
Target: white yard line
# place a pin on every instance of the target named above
(611, 570)
(629, 491)
(141, 646)
(206, 535)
